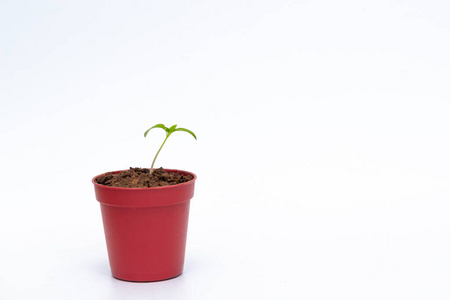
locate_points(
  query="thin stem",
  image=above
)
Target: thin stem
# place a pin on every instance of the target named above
(153, 163)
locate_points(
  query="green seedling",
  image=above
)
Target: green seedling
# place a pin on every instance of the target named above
(169, 131)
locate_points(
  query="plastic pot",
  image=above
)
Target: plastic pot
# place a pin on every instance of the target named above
(146, 229)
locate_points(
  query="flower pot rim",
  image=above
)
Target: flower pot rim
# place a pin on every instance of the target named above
(145, 188)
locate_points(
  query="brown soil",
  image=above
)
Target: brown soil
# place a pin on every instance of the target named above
(141, 178)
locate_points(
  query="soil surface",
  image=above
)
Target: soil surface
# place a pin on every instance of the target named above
(141, 178)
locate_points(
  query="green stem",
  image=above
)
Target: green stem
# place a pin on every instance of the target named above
(153, 163)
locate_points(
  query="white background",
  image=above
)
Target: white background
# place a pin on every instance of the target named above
(322, 155)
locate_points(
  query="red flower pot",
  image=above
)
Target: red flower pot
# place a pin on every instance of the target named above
(146, 229)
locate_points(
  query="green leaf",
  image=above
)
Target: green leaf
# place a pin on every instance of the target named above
(186, 130)
(171, 129)
(156, 126)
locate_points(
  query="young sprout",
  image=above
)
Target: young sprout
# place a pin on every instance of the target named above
(169, 131)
